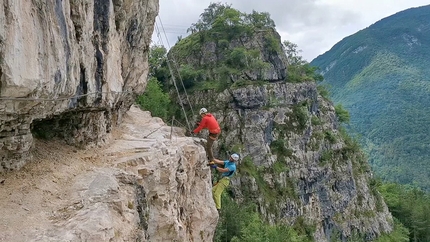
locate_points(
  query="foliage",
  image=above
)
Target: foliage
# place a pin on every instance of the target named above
(157, 59)
(221, 17)
(323, 91)
(250, 169)
(342, 114)
(155, 100)
(256, 231)
(410, 206)
(301, 115)
(259, 20)
(381, 76)
(352, 143)
(293, 53)
(315, 120)
(279, 167)
(237, 58)
(158, 64)
(326, 156)
(189, 76)
(299, 70)
(241, 222)
(330, 136)
(272, 44)
(399, 234)
(279, 148)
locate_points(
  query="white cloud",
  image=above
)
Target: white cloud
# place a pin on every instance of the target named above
(314, 25)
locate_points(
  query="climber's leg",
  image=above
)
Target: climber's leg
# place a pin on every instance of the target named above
(218, 189)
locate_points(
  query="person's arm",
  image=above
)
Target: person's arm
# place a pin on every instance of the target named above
(222, 170)
(218, 162)
(201, 126)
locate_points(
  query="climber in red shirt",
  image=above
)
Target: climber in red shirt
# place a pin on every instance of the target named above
(208, 121)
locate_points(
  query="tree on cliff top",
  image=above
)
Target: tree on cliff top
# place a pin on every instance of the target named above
(220, 17)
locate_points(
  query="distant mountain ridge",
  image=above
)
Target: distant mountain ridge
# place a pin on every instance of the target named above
(381, 75)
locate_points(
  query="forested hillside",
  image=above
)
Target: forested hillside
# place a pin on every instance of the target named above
(381, 76)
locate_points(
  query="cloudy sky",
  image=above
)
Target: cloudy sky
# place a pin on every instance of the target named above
(314, 25)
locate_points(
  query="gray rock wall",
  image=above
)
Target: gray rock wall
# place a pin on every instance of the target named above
(69, 69)
(149, 183)
(296, 165)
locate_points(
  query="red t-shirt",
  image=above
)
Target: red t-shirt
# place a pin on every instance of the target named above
(209, 122)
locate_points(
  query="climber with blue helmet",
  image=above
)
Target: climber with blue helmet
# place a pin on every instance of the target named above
(228, 169)
(209, 122)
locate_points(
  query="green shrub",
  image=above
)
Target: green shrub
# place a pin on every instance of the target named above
(342, 114)
(237, 58)
(241, 222)
(155, 100)
(410, 208)
(272, 44)
(300, 113)
(399, 234)
(279, 167)
(328, 135)
(323, 91)
(326, 156)
(189, 76)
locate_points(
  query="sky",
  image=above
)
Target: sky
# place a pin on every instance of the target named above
(314, 25)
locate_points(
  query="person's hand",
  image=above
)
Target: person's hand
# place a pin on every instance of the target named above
(214, 166)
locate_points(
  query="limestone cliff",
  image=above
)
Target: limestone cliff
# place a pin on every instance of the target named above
(297, 165)
(149, 183)
(68, 69)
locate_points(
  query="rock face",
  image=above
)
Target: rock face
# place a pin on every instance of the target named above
(262, 63)
(68, 69)
(296, 164)
(150, 183)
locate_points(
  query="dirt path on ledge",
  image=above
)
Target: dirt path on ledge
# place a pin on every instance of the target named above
(30, 197)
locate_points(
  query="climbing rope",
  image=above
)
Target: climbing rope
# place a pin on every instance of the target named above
(155, 130)
(56, 99)
(169, 61)
(177, 69)
(38, 99)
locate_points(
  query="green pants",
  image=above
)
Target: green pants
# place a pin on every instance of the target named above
(218, 189)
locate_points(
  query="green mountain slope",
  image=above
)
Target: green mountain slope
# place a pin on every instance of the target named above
(381, 75)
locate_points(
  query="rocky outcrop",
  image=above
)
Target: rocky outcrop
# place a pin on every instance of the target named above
(296, 164)
(150, 183)
(257, 56)
(68, 69)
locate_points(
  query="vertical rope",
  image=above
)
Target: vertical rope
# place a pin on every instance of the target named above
(177, 69)
(173, 78)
